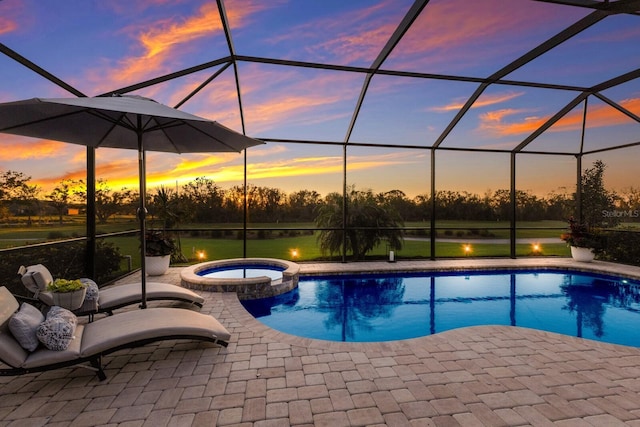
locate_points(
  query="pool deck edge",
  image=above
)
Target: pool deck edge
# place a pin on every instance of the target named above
(470, 264)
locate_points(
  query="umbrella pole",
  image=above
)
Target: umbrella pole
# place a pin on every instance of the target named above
(142, 213)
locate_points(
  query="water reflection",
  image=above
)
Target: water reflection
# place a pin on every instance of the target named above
(589, 299)
(352, 303)
(388, 307)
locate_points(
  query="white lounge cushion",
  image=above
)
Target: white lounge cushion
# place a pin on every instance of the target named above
(138, 325)
(36, 277)
(10, 350)
(24, 326)
(44, 357)
(119, 295)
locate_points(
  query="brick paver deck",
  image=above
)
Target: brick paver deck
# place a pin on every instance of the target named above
(479, 376)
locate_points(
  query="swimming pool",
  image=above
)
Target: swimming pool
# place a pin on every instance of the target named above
(394, 306)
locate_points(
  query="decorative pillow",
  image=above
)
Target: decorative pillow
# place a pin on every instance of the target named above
(92, 290)
(57, 311)
(24, 325)
(56, 332)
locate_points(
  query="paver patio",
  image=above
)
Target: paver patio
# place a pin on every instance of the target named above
(479, 376)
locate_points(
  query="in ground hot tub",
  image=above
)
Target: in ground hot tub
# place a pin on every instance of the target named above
(250, 278)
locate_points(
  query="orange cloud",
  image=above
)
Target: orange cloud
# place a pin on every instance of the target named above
(484, 101)
(12, 12)
(161, 43)
(301, 166)
(604, 115)
(20, 148)
(495, 122)
(7, 25)
(601, 115)
(165, 35)
(203, 162)
(632, 104)
(118, 173)
(327, 165)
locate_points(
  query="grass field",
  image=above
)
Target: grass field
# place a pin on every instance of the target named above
(461, 232)
(307, 249)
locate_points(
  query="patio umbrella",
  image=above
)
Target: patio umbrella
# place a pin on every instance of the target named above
(121, 121)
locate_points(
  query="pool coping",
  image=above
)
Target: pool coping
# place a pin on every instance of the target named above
(603, 267)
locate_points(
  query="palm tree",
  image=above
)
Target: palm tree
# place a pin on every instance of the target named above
(367, 224)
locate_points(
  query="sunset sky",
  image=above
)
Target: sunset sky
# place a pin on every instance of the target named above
(101, 46)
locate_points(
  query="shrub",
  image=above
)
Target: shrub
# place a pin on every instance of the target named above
(623, 247)
(64, 260)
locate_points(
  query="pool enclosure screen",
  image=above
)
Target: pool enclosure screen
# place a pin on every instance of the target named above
(463, 118)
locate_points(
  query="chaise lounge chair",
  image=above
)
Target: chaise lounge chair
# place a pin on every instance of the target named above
(103, 336)
(37, 277)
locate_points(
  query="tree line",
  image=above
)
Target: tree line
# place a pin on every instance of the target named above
(204, 201)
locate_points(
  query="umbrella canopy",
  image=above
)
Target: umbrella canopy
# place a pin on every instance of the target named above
(126, 121)
(117, 122)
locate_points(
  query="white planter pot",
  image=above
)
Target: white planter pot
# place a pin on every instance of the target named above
(70, 300)
(157, 265)
(582, 254)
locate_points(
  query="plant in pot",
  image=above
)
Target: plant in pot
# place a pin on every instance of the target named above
(584, 242)
(158, 250)
(68, 294)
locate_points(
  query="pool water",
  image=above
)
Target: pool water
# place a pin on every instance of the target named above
(383, 307)
(243, 272)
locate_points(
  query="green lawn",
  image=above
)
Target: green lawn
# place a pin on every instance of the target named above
(281, 247)
(307, 250)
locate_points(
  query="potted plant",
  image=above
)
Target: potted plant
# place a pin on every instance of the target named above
(158, 250)
(583, 241)
(68, 294)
